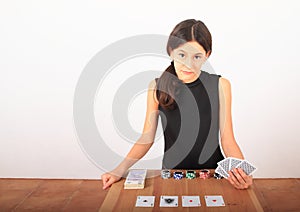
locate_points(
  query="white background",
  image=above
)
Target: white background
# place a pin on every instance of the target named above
(44, 46)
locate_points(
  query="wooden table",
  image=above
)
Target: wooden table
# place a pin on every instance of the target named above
(120, 199)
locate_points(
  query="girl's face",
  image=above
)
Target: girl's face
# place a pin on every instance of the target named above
(188, 59)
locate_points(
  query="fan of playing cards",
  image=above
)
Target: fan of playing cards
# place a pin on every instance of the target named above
(229, 163)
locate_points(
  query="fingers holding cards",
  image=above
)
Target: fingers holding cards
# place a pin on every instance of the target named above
(230, 163)
(233, 180)
(239, 179)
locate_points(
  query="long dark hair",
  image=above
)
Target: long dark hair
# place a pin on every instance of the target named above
(168, 83)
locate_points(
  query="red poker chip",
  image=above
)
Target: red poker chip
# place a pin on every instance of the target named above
(204, 173)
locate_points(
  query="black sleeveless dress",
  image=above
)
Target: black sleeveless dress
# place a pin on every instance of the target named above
(191, 131)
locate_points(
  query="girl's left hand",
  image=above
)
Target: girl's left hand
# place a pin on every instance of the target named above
(239, 179)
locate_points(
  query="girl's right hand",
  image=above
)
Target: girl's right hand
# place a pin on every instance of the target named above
(108, 179)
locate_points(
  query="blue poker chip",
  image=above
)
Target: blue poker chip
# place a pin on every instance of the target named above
(178, 175)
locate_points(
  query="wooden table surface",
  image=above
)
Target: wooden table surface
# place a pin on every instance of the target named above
(120, 199)
(17, 194)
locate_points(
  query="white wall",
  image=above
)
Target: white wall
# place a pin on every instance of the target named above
(45, 45)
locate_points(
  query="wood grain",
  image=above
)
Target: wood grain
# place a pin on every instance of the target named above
(280, 194)
(119, 199)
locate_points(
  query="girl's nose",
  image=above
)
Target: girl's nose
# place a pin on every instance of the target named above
(188, 63)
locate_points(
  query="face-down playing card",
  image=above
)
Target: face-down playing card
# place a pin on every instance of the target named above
(247, 167)
(168, 201)
(234, 162)
(224, 164)
(220, 171)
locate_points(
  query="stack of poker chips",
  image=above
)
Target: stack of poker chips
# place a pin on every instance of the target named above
(165, 174)
(204, 173)
(178, 175)
(217, 176)
(190, 174)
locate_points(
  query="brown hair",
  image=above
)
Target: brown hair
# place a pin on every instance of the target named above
(168, 83)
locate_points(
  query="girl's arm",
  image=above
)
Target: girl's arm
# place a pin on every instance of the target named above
(142, 145)
(237, 177)
(229, 145)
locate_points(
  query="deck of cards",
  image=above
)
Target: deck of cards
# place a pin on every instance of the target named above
(135, 179)
(227, 164)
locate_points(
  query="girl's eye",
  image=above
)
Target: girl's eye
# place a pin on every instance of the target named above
(181, 55)
(198, 57)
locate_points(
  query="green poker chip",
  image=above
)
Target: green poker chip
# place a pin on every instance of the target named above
(190, 174)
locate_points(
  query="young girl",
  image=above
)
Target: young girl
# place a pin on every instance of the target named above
(194, 107)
